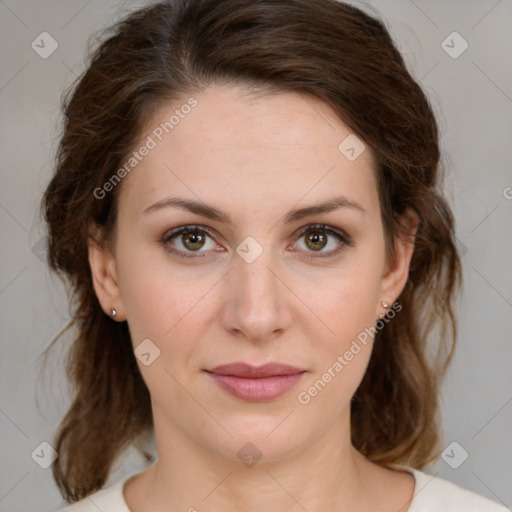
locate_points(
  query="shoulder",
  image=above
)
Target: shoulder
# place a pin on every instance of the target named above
(433, 494)
(110, 499)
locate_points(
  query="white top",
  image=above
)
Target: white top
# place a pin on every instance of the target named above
(431, 494)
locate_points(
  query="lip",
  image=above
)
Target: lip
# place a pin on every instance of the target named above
(256, 383)
(240, 369)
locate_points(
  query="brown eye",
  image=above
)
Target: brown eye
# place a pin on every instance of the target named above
(319, 236)
(188, 239)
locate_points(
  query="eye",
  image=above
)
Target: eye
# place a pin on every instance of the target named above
(189, 239)
(316, 238)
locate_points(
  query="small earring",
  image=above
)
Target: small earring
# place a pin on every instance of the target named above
(384, 305)
(113, 312)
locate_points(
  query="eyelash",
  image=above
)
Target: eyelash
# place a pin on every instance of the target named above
(340, 235)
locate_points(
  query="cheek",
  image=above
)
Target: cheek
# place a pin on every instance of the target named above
(158, 308)
(346, 305)
(153, 302)
(348, 301)
(341, 356)
(167, 307)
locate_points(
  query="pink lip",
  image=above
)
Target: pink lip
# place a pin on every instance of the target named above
(256, 383)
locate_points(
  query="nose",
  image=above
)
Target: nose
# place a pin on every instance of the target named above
(256, 303)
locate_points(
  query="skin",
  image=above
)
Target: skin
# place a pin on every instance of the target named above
(255, 158)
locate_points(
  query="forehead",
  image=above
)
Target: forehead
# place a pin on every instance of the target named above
(258, 151)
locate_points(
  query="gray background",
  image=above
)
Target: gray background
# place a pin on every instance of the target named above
(472, 96)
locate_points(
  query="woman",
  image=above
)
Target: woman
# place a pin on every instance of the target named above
(247, 206)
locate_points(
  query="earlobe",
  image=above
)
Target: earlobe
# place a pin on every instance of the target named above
(104, 279)
(396, 274)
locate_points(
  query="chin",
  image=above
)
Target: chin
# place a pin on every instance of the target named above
(259, 440)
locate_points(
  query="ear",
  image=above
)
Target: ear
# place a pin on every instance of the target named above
(396, 271)
(104, 278)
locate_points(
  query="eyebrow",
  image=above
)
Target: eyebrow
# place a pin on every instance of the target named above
(294, 215)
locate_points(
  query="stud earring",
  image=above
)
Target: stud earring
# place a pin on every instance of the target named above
(385, 305)
(113, 312)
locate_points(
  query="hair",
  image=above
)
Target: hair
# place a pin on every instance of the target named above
(323, 49)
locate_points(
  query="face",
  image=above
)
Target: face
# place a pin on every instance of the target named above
(261, 281)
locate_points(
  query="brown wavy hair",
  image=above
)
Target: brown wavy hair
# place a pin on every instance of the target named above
(323, 49)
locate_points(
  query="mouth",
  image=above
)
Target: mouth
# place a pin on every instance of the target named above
(256, 383)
